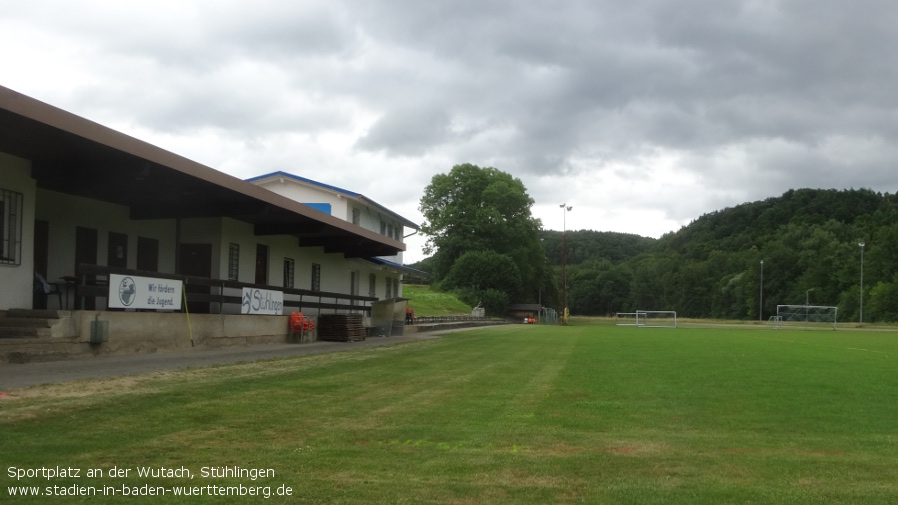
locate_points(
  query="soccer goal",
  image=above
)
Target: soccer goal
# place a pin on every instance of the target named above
(647, 319)
(625, 319)
(810, 315)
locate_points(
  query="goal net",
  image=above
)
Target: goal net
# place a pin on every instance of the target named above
(625, 319)
(810, 315)
(647, 319)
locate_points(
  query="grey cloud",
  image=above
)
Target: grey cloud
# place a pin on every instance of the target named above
(408, 131)
(802, 91)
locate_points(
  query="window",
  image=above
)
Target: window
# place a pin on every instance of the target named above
(10, 227)
(383, 227)
(372, 285)
(117, 250)
(390, 230)
(316, 277)
(288, 272)
(233, 262)
(389, 290)
(356, 216)
(147, 254)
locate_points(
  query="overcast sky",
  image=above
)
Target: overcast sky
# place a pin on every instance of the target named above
(642, 115)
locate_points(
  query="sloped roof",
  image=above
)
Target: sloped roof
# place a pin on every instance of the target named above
(345, 192)
(73, 155)
(399, 267)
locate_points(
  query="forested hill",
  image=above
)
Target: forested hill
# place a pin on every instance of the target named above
(755, 223)
(808, 240)
(586, 245)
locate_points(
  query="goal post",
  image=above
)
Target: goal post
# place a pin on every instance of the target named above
(656, 318)
(647, 319)
(625, 319)
(808, 314)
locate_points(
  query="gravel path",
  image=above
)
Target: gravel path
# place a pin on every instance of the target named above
(14, 376)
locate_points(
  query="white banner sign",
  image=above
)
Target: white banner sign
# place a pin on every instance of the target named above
(133, 292)
(262, 301)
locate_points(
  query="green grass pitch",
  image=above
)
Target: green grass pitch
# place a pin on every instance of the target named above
(589, 413)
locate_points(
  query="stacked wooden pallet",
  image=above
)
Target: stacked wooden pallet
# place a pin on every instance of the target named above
(341, 328)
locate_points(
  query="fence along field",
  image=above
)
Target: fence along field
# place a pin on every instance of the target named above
(591, 413)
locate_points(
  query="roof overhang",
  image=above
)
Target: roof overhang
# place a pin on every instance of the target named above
(400, 268)
(75, 156)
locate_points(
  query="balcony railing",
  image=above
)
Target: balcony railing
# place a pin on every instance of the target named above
(92, 282)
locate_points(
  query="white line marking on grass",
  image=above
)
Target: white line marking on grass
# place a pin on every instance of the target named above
(866, 350)
(819, 345)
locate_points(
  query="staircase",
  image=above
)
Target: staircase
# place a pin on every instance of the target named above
(21, 323)
(37, 335)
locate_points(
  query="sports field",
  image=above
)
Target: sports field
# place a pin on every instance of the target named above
(589, 413)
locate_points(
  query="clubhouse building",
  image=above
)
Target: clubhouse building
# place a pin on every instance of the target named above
(97, 226)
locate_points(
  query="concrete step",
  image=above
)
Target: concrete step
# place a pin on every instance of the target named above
(28, 349)
(25, 332)
(37, 314)
(24, 322)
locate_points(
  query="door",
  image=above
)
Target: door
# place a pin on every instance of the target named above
(117, 250)
(41, 256)
(261, 264)
(86, 253)
(195, 260)
(353, 285)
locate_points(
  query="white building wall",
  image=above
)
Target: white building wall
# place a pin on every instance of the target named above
(205, 231)
(336, 270)
(370, 217)
(308, 194)
(341, 206)
(65, 213)
(236, 232)
(279, 247)
(17, 281)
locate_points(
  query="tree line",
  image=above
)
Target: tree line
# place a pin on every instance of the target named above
(807, 239)
(486, 246)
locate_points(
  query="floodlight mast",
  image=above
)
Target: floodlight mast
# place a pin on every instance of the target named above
(761, 301)
(565, 208)
(861, 319)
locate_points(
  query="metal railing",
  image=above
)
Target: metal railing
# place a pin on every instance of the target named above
(447, 319)
(92, 282)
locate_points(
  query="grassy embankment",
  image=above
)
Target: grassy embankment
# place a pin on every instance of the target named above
(426, 302)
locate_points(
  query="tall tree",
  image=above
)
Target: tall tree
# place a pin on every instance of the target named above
(484, 209)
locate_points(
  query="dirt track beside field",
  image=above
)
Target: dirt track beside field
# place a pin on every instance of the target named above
(13, 376)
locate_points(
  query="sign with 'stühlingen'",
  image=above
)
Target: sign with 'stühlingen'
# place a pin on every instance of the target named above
(262, 301)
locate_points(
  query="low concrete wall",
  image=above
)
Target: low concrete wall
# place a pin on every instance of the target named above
(151, 332)
(144, 332)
